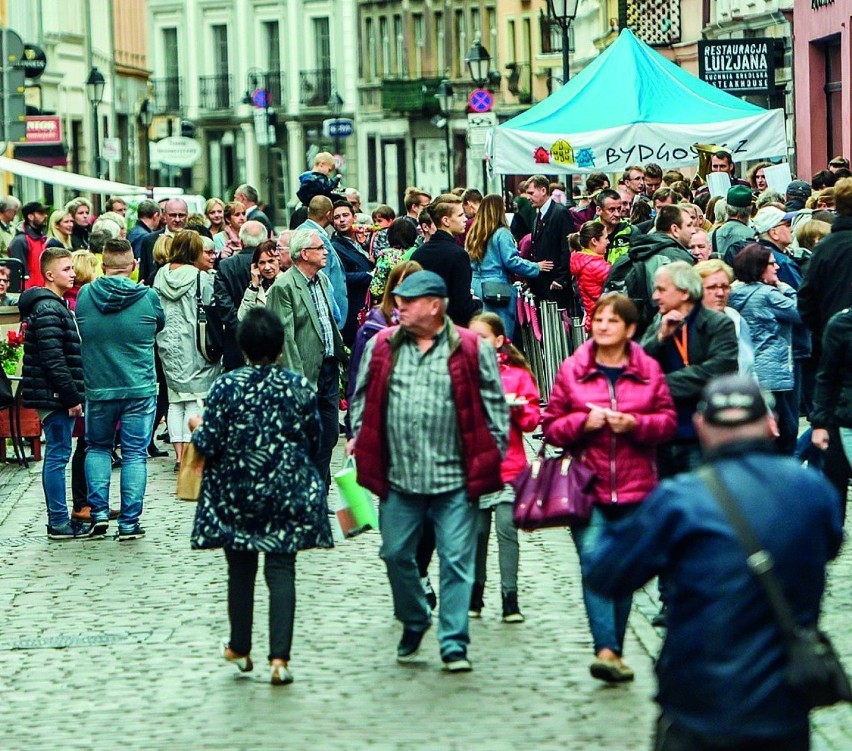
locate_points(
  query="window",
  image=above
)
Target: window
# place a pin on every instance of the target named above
(384, 36)
(371, 73)
(475, 26)
(551, 35)
(512, 42)
(170, 52)
(489, 33)
(322, 43)
(833, 99)
(440, 49)
(272, 38)
(461, 41)
(419, 43)
(220, 49)
(401, 67)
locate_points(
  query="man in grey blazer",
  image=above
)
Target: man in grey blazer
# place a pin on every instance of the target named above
(301, 297)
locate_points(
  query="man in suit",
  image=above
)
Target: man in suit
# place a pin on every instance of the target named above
(550, 233)
(230, 285)
(147, 221)
(248, 197)
(301, 297)
(176, 213)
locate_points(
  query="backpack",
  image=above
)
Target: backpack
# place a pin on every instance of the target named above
(631, 278)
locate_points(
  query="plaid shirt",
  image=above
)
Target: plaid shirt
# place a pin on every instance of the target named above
(323, 311)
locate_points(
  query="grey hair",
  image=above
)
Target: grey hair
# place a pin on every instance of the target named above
(767, 197)
(351, 192)
(75, 203)
(252, 234)
(9, 202)
(115, 217)
(300, 240)
(207, 243)
(248, 191)
(108, 226)
(743, 213)
(684, 277)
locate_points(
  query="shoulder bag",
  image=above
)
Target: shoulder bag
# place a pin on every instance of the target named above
(814, 670)
(209, 332)
(553, 492)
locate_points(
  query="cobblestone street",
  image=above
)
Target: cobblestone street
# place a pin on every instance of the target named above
(111, 646)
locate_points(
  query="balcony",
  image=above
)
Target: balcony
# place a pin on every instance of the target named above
(658, 26)
(415, 95)
(316, 87)
(275, 83)
(167, 95)
(214, 92)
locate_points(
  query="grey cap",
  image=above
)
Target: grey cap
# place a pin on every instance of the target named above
(733, 400)
(421, 284)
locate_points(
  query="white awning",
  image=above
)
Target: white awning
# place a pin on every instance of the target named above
(83, 183)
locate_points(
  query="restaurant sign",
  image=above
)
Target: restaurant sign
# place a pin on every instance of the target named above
(738, 66)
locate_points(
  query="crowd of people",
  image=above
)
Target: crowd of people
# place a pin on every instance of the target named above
(714, 323)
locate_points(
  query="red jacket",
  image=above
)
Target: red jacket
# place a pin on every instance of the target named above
(522, 420)
(626, 464)
(480, 452)
(590, 270)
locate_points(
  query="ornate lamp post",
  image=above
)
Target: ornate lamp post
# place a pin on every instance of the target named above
(563, 13)
(445, 102)
(95, 84)
(146, 117)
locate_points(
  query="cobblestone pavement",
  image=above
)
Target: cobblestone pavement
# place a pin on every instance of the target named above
(109, 646)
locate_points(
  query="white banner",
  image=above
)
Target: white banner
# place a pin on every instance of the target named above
(519, 152)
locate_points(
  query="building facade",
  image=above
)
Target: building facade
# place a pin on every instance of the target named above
(253, 82)
(823, 49)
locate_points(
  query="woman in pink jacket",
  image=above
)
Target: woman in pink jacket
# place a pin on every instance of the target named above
(524, 415)
(611, 407)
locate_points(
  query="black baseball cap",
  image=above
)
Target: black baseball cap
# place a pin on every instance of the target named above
(733, 400)
(34, 207)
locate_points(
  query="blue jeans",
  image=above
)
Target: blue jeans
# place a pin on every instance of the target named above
(57, 427)
(607, 616)
(455, 520)
(137, 421)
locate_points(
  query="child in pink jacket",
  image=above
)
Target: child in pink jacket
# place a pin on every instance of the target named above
(524, 415)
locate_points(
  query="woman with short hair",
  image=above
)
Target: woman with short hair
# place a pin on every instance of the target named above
(265, 269)
(188, 375)
(260, 489)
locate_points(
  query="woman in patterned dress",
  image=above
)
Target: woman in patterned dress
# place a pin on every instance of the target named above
(260, 491)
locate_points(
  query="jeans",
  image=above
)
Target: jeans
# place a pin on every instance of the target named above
(507, 546)
(807, 452)
(137, 421)
(672, 737)
(401, 523)
(57, 426)
(279, 570)
(426, 546)
(607, 616)
(787, 411)
(328, 402)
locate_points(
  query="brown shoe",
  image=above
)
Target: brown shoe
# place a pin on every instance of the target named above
(84, 514)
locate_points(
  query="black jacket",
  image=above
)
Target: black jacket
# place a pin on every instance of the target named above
(80, 237)
(147, 268)
(356, 268)
(550, 243)
(254, 214)
(229, 286)
(833, 388)
(53, 367)
(827, 286)
(441, 255)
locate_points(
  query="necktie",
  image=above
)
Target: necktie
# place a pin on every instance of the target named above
(538, 223)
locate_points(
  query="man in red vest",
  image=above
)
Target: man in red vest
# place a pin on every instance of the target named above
(28, 245)
(431, 425)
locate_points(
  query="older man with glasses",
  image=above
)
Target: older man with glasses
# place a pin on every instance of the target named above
(175, 213)
(301, 297)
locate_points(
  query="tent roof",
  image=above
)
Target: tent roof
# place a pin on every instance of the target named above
(631, 83)
(83, 183)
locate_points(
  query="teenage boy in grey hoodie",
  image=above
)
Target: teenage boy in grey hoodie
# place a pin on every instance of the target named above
(118, 321)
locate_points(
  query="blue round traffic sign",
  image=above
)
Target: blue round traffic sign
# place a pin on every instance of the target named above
(260, 98)
(480, 100)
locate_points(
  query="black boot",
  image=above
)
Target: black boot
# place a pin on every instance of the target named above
(476, 604)
(511, 612)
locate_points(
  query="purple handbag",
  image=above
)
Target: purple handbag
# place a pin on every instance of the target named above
(555, 492)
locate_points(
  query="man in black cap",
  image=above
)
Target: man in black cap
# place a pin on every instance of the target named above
(798, 192)
(431, 424)
(721, 669)
(28, 245)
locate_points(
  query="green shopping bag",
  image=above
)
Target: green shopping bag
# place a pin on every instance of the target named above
(357, 500)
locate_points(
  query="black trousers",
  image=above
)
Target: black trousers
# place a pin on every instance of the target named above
(79, 488)
(328, 403)
(279, 570)
(672, 737)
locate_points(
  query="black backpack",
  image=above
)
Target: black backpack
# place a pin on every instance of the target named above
(630, 278)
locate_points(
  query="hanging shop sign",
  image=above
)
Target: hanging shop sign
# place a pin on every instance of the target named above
(738, 66)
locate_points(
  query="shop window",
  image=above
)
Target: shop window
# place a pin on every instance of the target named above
(833, 94)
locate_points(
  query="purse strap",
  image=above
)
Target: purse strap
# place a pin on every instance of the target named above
(760, 561)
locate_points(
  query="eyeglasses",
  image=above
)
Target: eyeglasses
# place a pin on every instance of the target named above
(209, 252)
(315, 247)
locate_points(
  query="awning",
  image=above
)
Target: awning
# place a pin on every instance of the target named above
(82, 183)
(47, 155)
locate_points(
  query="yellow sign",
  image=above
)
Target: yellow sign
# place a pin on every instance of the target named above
(562, 153)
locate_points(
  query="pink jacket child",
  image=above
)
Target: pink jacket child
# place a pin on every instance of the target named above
(590, 270)
(626, 464)
(524, 418)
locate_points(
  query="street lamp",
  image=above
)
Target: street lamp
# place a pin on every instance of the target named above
(563, 13)
(335, 104)
(478, 61)
(95, 84)
(445, 102)
(146, 117)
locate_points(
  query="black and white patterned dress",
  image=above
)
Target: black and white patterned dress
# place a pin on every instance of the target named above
(260, 490)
